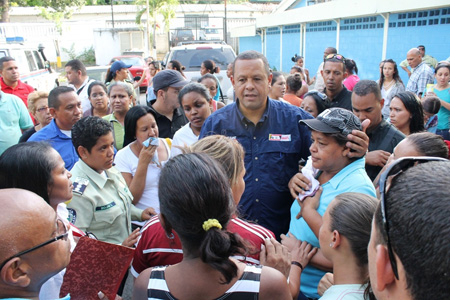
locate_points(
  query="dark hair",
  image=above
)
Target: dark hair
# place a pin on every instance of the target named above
(109, 76)
(414, 107)
(321, 103)
(294, 82)
(275, 76)
(335, 60)
(396, 76)
(156, 64)
(87, 131)
(419, 232)
(352, 216)
(195, 88)
(421, 46)
(431, 104)
(77, 65)
(332, 50)
(53, 96)
(5, 59)
(94, 83)
(366, 87)
(210, 76)
(340, 138)
(351, 67)
(211, 66)
(28, 166)
(177, 66)
(131, 118)
(186, 202)
(441, 65)
(251, 55)
(429, 144)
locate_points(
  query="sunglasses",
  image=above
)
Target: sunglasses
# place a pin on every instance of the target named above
(397, 167)
(335, 56)
(62, 235)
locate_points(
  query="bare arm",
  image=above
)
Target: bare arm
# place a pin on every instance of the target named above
(141, 285)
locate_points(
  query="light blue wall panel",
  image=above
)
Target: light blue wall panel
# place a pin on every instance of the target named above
(291, 45)
(273, 47)
(250, 43)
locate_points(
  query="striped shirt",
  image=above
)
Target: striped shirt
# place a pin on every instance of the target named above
(246, 287)
(155, 248)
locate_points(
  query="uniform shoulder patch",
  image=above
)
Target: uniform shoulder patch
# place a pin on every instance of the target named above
(79, 185)
(72, 215)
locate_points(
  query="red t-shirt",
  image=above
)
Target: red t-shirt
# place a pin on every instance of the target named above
(155, 248)
(22, 90)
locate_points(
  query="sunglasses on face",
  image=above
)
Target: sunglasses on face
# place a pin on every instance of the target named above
(397, 167)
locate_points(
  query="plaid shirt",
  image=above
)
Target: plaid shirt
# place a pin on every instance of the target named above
(420, 77)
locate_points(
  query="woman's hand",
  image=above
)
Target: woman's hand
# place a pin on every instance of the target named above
(289, 241)
(325, 283)
(148, 213)
(310, 202)
(298, 184)
(275, 255)
(132, 238)
(303, 252)
(147, 153)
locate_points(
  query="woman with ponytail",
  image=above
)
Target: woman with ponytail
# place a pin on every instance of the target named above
(199, 207)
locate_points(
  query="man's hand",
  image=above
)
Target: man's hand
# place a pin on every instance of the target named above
(289, 241)
(303, 252)
(325, 283)
(298, 184)
(377, 158)
(132, 238)
(148, 213)
(275, 255)
(358, 141)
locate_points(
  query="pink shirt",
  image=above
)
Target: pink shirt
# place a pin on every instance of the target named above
(351, 81)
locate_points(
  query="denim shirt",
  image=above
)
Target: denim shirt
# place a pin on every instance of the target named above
(273, 148)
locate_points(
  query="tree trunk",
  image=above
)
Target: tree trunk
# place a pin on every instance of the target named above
(5, 11)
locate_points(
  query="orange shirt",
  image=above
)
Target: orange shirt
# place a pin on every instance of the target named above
(292, 99)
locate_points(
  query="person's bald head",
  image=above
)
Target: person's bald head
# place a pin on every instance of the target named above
(414, 57)
(27, 221)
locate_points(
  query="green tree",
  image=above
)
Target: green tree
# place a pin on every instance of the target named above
(156, 7)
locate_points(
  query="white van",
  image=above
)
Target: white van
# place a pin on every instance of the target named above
(33, 68)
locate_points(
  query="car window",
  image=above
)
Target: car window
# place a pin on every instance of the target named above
(135, 61)
(212, 31)
(97, 74)
(38, 60)
(30, 60)
(186, 33)
(192, 59)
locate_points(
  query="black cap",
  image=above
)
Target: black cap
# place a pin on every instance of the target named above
(168, 78)
(334, 120)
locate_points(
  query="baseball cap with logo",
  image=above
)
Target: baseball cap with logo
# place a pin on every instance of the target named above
(334, 120)
(166, 78)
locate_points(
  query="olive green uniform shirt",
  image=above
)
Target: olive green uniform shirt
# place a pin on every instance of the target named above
(102, 205)
(118, 131)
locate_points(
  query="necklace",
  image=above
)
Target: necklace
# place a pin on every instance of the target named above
(387, 86)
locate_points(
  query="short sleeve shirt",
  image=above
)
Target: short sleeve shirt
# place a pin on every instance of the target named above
(166, 127)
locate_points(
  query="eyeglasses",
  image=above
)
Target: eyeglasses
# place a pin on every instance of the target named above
(397, 167)
(41, 109)
(313, 93)
(61, 235)
(335, 56)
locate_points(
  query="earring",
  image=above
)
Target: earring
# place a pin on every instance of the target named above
(331, 245)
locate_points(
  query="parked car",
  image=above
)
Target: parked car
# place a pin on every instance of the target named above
(138, 67)
(192, 55)
(182, 35)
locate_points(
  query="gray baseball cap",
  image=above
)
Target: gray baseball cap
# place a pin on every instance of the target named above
(168, 78)
(334, 120)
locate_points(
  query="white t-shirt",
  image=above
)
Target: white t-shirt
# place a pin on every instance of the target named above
(344, 292)
(126, 161)
(182, 138)
(83, 96)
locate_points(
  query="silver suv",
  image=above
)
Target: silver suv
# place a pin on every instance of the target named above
(191, 57)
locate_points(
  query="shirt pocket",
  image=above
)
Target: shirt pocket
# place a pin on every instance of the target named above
(109, 220)
(280, 159)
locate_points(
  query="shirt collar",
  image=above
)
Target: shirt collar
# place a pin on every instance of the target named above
(93, 175)
(57, 131)
(264, 116)
(342, 174)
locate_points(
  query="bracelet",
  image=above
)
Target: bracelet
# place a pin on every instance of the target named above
(296, 263)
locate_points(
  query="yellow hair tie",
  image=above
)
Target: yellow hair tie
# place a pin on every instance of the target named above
(207, 225)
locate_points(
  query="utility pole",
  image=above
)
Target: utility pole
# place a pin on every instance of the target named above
(225, 24)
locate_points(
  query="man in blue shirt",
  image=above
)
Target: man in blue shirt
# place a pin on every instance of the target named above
(65, 107)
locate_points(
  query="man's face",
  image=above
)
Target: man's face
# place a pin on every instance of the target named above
(229, 70)
(367, 107)
(413, 58)
(333, 74)
(74, 77)
(422, 51)
(69, 111)
(171, 97)
(10, 71)
(251, 83)
(327, 52)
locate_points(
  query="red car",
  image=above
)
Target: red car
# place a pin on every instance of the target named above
(138, 68)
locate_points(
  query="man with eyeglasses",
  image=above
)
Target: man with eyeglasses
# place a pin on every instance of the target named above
(334, 73)
(34, 244)
(409, 246)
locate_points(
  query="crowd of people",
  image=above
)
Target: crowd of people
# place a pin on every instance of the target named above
(298, 188)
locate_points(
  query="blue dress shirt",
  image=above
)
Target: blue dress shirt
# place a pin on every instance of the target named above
(273, 148)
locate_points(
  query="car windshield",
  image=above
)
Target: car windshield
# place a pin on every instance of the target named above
(192, 58)
(135, 61)
(185, 33)
(97, 74)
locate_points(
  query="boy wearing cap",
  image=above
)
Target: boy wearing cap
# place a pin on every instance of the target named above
(336, 173)
(169, 115)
